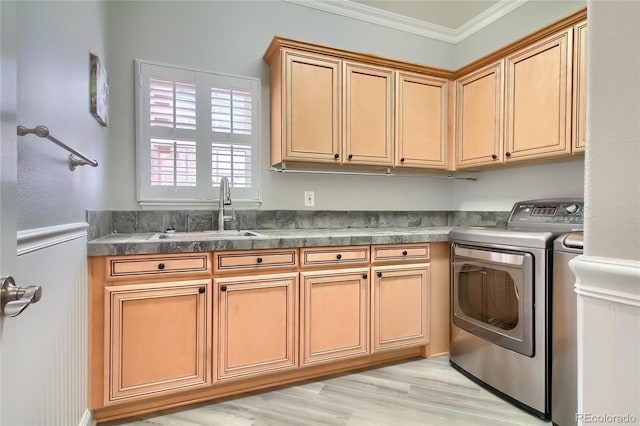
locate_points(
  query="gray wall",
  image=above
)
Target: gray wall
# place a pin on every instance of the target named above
(231, 37)
(53, 43)
(612, 169)
(521, 22)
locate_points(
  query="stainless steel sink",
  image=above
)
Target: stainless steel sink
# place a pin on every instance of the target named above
(207, 235)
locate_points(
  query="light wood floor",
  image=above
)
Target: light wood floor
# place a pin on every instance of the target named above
(415, 392)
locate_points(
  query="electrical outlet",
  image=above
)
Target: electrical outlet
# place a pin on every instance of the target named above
(309, 199)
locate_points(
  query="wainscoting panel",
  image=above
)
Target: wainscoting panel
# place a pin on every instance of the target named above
(44, 354)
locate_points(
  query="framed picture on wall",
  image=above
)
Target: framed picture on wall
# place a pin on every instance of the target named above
(98, 90)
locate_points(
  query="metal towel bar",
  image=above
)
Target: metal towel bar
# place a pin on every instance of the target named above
(75, 158)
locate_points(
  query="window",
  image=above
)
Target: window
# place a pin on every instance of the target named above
(192, 128)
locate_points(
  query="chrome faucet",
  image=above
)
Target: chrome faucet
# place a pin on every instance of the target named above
(225, 200)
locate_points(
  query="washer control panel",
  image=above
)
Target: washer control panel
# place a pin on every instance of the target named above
(536, 214)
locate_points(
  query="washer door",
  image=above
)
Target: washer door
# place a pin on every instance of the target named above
(493, 296)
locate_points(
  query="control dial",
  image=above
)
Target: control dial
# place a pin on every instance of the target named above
(572, 209)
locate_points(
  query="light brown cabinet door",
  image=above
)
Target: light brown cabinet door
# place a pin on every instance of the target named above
(538, 99)
(579, 132)
(400, 306)
(368, 115)
(157, 338)
(257, 324)
(479, 115)
(421, 121)
(334, 314)
(312, 115)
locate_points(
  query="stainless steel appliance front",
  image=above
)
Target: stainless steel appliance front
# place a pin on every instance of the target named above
(493, 295)
(506, 346)
(500, 313)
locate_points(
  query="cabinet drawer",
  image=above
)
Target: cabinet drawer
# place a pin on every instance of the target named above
(348, 255)
(400, 252)
(230, 261)
(127, 266)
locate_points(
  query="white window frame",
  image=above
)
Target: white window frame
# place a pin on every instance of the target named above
(204, 194)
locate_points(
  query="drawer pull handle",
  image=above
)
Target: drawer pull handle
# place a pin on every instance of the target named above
(365, 276)
(223, 288)
(259, 260)
(379, 274)
(338, 256)
(161, 266)
(350, 156)
(201, 290)
(336, 156)
(404, 253)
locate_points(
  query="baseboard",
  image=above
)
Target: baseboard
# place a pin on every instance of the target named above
(87, 419)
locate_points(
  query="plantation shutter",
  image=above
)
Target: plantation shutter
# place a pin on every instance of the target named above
(192, 128)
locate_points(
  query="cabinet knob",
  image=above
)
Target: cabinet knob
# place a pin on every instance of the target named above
(404, 253)
(507, 154)
(365, 276)
(350, 156)
(338, 256)
(336, 156)
(161, 266)
(202, 290)
(223, 288)
(379, 274)
(402, 160)
(494, 157)
(259, 260)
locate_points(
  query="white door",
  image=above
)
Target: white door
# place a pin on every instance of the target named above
(9, 327)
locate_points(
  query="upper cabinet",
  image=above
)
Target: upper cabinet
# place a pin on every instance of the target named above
(538, 99)
(308, 107)
(421, 121)
(523, 102)
(368, 115)
(480, 100)
(335, 107)
(579, 130)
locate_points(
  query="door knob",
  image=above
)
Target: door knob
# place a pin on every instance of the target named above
(14, 299)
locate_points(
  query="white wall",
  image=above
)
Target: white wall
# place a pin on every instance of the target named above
(608, 275)
(613, 129)
(54, 40)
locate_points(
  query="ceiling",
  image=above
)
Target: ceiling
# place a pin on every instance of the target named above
(451, 14)
(447, 20)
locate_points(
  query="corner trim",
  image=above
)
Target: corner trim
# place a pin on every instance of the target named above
(609, 279)
(395, 21)
(31, 240)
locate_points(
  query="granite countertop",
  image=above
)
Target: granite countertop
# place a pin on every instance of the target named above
(143, 243)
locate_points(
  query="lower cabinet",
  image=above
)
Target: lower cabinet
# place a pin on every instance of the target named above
(227, 322)
(157, 338)
(334, 314)
(257, 323)
(400, 306)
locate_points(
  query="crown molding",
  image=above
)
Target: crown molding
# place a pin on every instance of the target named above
(383, 18)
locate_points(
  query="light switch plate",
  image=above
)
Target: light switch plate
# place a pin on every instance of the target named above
(309, 199)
